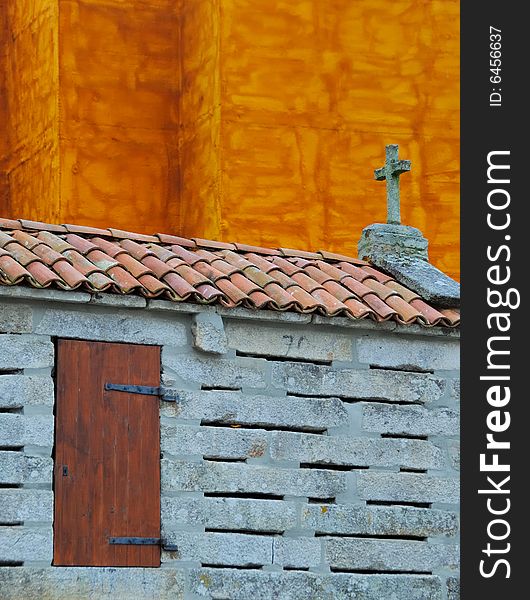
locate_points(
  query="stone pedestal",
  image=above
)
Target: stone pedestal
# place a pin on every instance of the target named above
(401, 251)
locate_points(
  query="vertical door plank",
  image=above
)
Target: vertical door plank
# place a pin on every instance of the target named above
(111, 443)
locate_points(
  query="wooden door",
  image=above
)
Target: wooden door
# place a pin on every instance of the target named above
(107, 455)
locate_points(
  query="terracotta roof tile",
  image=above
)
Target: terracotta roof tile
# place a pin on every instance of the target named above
(406, 312)
(231, 291)
(135, 267)
(382, 310)
(208, 292)
(213, 244)
(377, 275)
(259, 299)
(317, 275)
(163, 254)
(334, 272)
(237, 260)
(381, 290)
(261, 262)
(110, 248)
(156, 266)
(27, 240)
(82, 264)
(339, 291)
(193, 277)
(70, 276)
(10, 224)
(284, 280)
(48, 255)
(306, 301)
(38, 226)
(185, 255)
(13, 271)
(330, 305)
(179, 285)
(210, 271)
(206, 255)
(404, 292)
(305, 282)
(77, 257)
(164, 238)
(299, 253)
(21, 254)
(102, 260)
(136, 250)
(5, 239)
(258, 277)
(84, 245)
(99, 281)
(123, 280)
(128, 235)
(153, 285)
(257, 249)
(281, 298)
(84, 229)
(341, 257)
(286, 266)
(357, 309)
(244, 284)
(225, 267)
(53, 241)
(358, 288)
(452, 316)
(432, 316)
(355, 272)
(42, 275)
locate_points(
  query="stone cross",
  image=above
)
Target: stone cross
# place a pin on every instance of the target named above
(391, 171)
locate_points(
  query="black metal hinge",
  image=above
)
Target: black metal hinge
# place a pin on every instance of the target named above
(147, 390)
(141, 541)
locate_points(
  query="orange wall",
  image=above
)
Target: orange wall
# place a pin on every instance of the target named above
(310, 93)
(29, 120)
(119, 98)
(259, 121)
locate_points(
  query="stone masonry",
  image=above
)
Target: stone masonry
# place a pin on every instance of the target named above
(308, 458)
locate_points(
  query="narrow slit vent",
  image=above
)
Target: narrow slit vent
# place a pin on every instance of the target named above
(271, 533)
(390, 503)
(404, 369)
(243, 495)
(322, 501)
(265, 427)
(310, 361)
(219, 388)
(403, 436)
(367, 536)
(245, 567)
(224, 460)
(378, 572)
(329, 467)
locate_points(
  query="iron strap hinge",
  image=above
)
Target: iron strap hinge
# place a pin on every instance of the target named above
(141, 541)
(143, 389)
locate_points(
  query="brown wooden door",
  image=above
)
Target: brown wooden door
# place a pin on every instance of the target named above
(107, 455)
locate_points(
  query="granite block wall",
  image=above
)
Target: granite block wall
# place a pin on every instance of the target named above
(306, 457)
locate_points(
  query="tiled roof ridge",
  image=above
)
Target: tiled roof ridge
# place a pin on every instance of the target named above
(170, 267)
(165, 238)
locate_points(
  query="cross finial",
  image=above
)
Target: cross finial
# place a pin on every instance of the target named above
(391, 171)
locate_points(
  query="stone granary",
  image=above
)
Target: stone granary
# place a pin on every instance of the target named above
(190, 419)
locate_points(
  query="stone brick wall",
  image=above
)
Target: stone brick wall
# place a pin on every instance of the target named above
(307, 458)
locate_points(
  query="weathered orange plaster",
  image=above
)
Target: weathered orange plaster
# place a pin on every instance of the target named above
(259, 121)
(29, 122)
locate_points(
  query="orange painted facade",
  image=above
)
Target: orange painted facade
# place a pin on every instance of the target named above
(259, 121)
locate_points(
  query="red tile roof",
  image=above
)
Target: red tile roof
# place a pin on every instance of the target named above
(73, 257)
